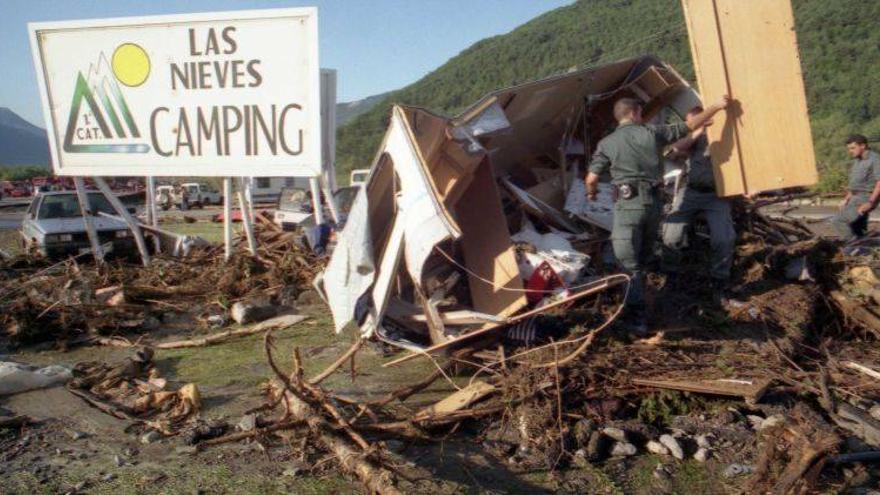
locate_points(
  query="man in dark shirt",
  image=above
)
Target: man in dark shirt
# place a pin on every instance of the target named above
(863, 191)
(633, 154)
(699, 197)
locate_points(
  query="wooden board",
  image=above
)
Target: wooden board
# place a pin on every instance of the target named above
(748, 49)
(488, 250)
(598, 286)
(750, 390)
(458, 400)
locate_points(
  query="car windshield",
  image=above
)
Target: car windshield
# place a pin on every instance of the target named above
(67, 205)
(292, 199)
(359, 176)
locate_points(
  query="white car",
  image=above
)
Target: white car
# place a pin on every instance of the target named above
(53, 225)
(358, 177)
(200, 194)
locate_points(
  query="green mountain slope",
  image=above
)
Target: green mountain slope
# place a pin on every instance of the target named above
(839, 42)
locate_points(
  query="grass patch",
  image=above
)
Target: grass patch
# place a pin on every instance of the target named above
(210, 231)
(10, 241)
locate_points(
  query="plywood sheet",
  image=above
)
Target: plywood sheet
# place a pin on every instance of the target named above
(487, 248)
(748, 49)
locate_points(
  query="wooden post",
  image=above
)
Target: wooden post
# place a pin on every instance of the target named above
(246, 217)
(153, 211)
(316, 200)
(86, 209)
(227, 216)
(132, 223)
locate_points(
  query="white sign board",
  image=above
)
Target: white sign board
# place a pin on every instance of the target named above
(215, 94)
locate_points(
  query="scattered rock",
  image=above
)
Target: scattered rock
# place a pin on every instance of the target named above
(150, 437)
(217, 321)
(755, 421)
(308, 298)
(771, 421)
(77, 435)
(615, 434)
(248, 422)
(249, 312)
(703, 441)
(597, 447)
(582, 431)
(119, 461)
(656, 447)
(672, 444)
(734, 470)
(661, 472)
(296, 467)
(702, 454)
(875, 412)
(186, 449)
(623, 449)
(108, 477)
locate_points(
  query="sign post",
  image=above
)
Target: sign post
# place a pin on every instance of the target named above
(229, 94)
(87, 213)
(227, 217)
(153, 211)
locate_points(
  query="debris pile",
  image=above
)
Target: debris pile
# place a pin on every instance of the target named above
(133, 390)
(69, 303)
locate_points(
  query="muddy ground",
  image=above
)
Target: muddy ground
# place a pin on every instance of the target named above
(76, 444)
(77, 449)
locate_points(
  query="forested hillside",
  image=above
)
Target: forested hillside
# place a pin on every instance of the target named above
(839, 42)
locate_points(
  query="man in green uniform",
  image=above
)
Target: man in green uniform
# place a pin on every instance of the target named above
(863, 192)
(633, 155)
(698, 196)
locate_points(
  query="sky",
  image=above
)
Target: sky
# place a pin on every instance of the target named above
(375, 45)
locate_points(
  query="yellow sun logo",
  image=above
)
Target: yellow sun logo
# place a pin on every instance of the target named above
(131, 65)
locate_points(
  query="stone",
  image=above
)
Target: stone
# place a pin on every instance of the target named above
(119, 461)
(308, 298)
(702, 454)
(582, 431)
(875, 412)
(248, 422)
(252, 311)
(615, 434)
(661, 472)
(623, 449)
(77, 435)
(755, 421)
(150, 437)
(672, 444)
(296, 467)
(108, 477)
(597, 447)
(703, 441)
(656, 447)
(186, 449)
(735, 469)
(217, 321)
(772, 421)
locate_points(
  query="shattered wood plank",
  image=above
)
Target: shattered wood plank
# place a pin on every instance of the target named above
(458, 400)
(282, 321)
(857, 312)
(863, 369)
(461, 317)
(599, 286)
(750, 390)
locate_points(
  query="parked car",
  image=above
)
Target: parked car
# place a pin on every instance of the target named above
(53, 225)
(295, 209)
(358, 176)
(200, 194)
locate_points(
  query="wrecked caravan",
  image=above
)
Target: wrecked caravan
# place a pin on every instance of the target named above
(474, 223)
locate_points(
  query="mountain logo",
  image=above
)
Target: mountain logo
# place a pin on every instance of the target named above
(100, 119)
